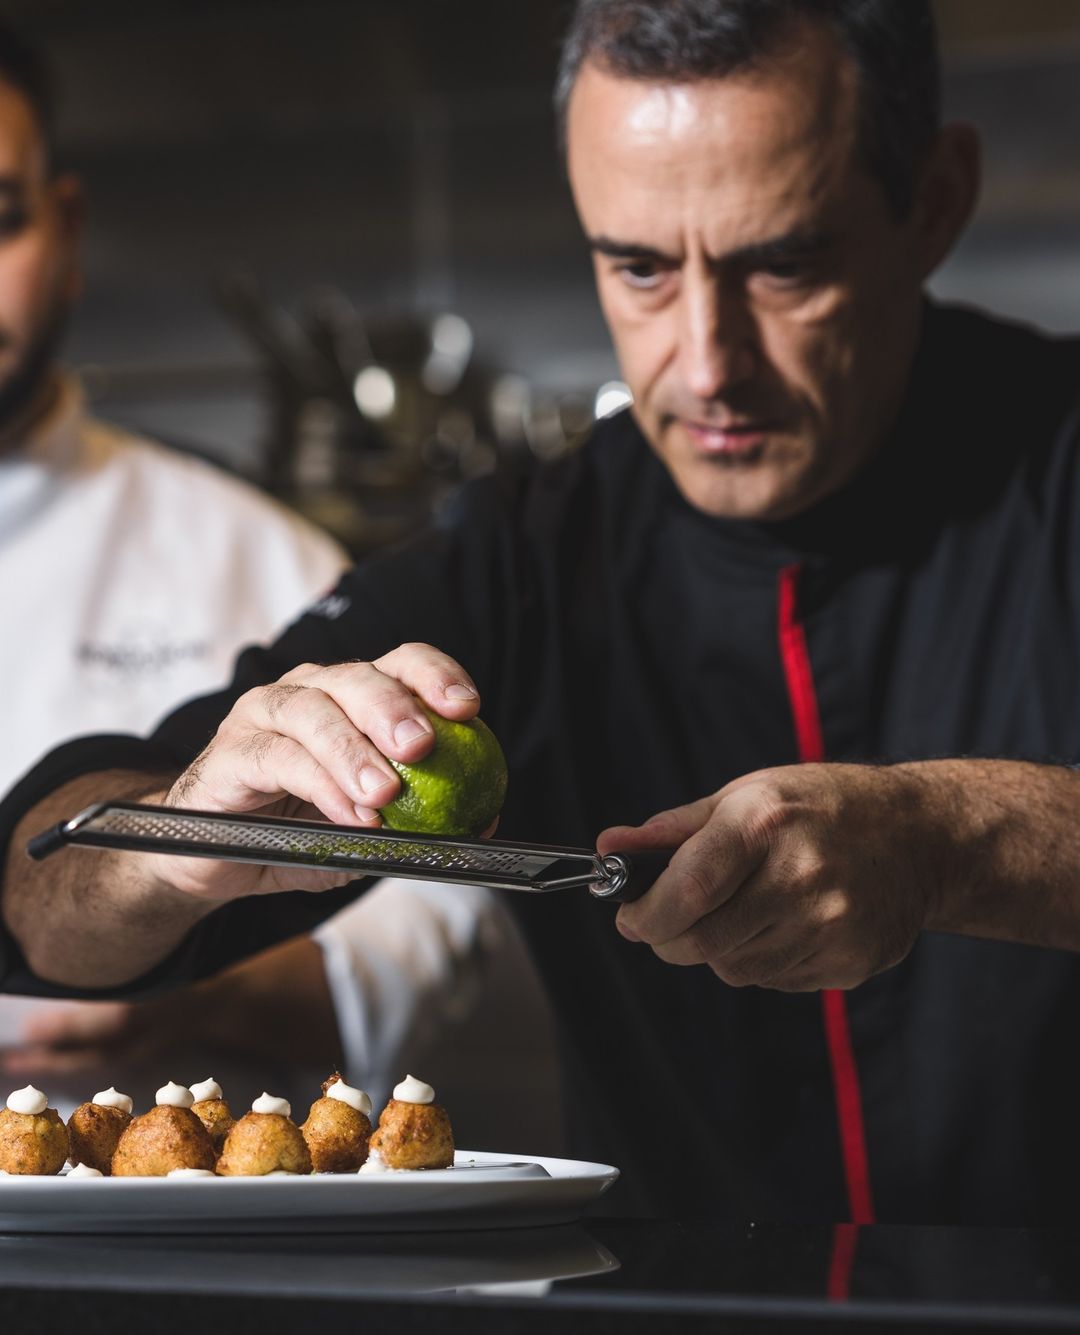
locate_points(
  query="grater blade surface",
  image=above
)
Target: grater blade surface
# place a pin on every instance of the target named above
(322, 846)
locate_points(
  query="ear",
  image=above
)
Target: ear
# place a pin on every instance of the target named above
(947, 193)
(69, 202)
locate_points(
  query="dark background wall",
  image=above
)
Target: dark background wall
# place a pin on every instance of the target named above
(400, 152)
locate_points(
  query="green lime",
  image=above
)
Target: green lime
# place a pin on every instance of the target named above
(459, 786)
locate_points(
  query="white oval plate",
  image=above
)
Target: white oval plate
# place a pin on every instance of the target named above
(480, 1191)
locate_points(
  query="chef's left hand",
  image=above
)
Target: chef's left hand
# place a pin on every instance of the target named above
(800, 878)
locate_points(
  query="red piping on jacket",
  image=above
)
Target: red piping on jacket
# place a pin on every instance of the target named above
(795, 658)
(841, 1262)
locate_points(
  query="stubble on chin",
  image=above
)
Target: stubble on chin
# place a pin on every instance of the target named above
(28, 388)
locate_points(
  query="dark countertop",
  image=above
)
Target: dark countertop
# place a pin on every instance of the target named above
(599, 1276)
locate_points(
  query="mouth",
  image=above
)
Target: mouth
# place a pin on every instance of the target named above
(736, 440)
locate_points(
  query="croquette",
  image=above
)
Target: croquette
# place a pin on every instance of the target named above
(32, 1143)
(414, 1135)
(217, 1117)
(264, 1142)
(94, 1132)
(162, 1139)
(338, 1128)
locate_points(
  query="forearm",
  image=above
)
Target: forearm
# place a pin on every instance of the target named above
(1009, 832)
(276, 1006)
(88, 918)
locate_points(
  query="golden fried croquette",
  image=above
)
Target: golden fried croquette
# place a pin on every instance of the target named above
(94, 1132)
(160, 1140)
(217, 1117)
(261, 1143)
(32, 1143)
(336, 1132)
(414, 1135)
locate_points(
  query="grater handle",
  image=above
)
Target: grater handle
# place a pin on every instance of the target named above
(630, 875)
(48, 841)
(58, 836)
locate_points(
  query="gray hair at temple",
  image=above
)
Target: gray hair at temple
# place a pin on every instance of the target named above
(893, 44)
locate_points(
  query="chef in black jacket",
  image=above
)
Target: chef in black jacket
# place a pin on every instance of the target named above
(808, 615)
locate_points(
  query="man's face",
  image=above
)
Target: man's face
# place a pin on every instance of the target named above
(38, 265)
(763, 301)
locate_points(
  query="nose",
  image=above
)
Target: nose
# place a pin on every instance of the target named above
(717, 337)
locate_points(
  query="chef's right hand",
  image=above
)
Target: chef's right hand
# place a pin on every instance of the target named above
(316, 743)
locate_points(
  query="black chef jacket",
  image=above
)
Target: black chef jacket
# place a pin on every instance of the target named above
(633, 654)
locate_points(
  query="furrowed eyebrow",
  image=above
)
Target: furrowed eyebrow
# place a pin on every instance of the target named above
(795, 245)
(628, 250)
(792, 245)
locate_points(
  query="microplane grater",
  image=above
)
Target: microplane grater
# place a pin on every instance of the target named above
(321, 846)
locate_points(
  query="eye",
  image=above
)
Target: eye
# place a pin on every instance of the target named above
(792, 272)
(641, 274)
(786, 270)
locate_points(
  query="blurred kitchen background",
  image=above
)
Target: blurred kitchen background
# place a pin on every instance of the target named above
(330, 245)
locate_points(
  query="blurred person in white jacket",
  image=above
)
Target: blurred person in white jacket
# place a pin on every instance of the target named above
(129, 577)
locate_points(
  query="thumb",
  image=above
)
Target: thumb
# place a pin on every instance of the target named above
(667, 829)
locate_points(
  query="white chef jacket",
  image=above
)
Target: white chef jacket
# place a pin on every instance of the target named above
(129, 577)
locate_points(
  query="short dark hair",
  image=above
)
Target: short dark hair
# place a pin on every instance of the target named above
(24, 68)
(893, 44)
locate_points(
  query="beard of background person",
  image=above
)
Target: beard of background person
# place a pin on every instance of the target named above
(28, 388)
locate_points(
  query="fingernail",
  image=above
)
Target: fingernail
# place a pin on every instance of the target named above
(372, 778)
(409, 729)
(366, 813)
(459, 691)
